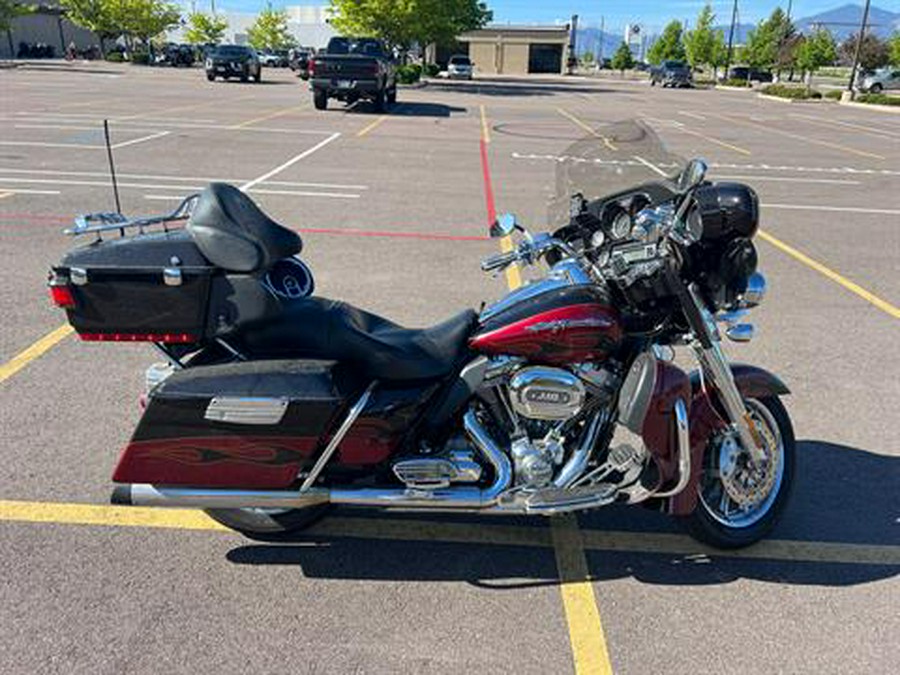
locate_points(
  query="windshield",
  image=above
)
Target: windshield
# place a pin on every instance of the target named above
(231, 51)
(369, 47)
(460, 60)
(614, 158)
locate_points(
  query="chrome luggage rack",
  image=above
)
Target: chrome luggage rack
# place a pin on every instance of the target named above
(99, 223)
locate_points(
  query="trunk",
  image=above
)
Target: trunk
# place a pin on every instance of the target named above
(101, 38)
(12, 51)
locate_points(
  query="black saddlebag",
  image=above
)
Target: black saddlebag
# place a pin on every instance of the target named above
(241, 425)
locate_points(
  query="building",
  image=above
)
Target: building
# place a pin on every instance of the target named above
(46, 26)
(517, 50)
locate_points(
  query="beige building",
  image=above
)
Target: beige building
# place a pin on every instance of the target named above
(518, 50)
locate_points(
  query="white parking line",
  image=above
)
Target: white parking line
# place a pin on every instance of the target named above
(24, 191)
(788, 179)
(290, 162)
(142, 139)
(288, 193)
(839, 209)
(85, 146)
(690, 114)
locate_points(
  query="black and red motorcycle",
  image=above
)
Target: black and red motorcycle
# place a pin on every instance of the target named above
(273, 404)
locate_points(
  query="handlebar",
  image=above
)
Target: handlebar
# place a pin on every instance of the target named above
(499, 261)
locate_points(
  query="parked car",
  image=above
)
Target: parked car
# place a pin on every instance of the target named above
(751, 74)
(298, 60)
(881, 79)
(671, 74)
(175, 55)
(274, 58)
(351, 69)
(228, 61)
(460, 67)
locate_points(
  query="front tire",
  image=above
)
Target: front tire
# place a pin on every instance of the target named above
(726, 522)
(320, 99)
(269, 524)
(392, 96)
(379, 101)
(876, 88)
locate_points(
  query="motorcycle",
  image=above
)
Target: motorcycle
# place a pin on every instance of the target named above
(273, 404)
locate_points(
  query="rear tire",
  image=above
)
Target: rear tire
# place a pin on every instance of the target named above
(876, 88)
(729, 530)
(320, 99)
(379, 101)
(258, 77)
(210, 77)
(269, 525)
(392, 96)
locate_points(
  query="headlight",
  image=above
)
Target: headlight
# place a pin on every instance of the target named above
(209, 63)
(756, 291)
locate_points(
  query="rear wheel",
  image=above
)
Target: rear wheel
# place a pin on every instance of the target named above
(392, 95)
(876, 88)
(380, 101)
(210, 77)
(245, 75)
(320, 99)
(738, 503)
(269, 524)
(258, 77)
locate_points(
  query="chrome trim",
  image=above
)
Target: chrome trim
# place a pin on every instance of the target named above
(338, 437)
(172, 276)
(683, 434)
(756, 291)
(208, 498)
(78, 276)
(741, 332)
(538, 392)
(246, 410)
(577, 463)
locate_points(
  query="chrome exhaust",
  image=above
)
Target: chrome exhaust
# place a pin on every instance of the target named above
(400, 497)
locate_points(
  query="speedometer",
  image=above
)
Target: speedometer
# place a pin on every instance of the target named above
(597, 239)
(621, 226)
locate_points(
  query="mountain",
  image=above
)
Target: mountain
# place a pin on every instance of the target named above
(844, 21)
(588, 40)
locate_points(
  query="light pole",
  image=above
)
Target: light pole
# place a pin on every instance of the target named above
(730, 39)
(859, 41)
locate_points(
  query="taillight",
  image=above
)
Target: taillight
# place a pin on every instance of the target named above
(311, 67)
(62, 296)
(168, 338)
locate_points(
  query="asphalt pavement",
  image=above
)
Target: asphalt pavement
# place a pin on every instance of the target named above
(393, 209)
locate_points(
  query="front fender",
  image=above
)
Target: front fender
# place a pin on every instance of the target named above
(752, 382)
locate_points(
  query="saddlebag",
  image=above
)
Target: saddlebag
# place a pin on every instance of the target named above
(238, 425)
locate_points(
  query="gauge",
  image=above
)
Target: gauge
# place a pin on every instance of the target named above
(621, 226)
(597, 239)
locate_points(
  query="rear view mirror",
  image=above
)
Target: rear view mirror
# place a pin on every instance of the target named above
(504, 226)
(692, 175)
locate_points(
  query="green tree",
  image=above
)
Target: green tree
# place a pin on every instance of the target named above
(270, 30)
(669, 46)
(700, 42)
(9, 10)
(143, 19)
(205, 28)
(815, 51)
(719, 53)
(401, 23)
(895, 49)
(765, 41)
(98, 16)
(623, 59)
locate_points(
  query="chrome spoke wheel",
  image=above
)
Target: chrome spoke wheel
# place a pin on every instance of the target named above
(733, 492)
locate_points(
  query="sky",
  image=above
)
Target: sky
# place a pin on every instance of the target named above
(652, 14)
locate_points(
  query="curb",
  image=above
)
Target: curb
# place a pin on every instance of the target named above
(781, 99)
(873, 106)
(421, 84)
(730, 88)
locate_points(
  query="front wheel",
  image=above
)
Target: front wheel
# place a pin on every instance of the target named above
(320, 99)
(269, 524)
(392, 95)
(876, 88)
(738, 503)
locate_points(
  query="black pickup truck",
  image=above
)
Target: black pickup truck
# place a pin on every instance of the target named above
(351, 69)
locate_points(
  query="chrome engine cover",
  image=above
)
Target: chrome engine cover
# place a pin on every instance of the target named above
(543, 393)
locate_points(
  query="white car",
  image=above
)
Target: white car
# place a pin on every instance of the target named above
(459, 67)
(881, 79)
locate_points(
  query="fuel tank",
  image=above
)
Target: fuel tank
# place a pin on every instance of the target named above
(562, 324)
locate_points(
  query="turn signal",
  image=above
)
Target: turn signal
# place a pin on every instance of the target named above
(62, 296)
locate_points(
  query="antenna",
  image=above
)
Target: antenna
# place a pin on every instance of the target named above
(112, 166)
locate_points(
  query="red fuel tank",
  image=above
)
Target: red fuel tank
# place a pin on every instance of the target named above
(563, 325)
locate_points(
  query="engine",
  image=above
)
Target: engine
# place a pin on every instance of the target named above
(544, 405)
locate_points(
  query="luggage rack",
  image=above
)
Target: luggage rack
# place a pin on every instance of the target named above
(99, 223)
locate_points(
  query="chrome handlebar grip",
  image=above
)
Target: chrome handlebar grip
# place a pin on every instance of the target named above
(499, 261)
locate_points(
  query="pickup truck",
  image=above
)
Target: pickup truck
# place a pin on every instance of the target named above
(351, 69)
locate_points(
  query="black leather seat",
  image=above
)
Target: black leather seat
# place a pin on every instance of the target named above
(233, 233)
(319, 328)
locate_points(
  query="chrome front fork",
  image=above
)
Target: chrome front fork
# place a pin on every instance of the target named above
(717, 372)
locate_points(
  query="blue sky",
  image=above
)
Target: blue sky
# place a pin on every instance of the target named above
(651, 13)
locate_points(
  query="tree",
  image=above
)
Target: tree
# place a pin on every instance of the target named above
(623, 59)
(765, 41)
(669, 46)
(9, 10)
(815, 51)
(874, 53)
(401, 23)
(895, 49)
(143, 19)
(98, 16)
(587, 58)
(700, 42)
(205, 29)
(719, 54)
(270, 30)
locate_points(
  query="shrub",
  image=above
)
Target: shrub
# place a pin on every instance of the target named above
(140, 58)
(880, 99)
(432, 70)
(115, 57)
(793, 93)
(834, 94)
(736, 82)
(409, 74)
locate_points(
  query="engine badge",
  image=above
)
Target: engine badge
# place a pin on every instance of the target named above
(546, 393)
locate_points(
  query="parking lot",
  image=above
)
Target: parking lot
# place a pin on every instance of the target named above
(394, 210)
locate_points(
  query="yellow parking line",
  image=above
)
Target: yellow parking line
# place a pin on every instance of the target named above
(883, 305)
(181, 108)
(4, 195)
(872, 131)
(797, 137)
(589, 651)
(513, 274)
(278, 113)
(366, 129)
(593, 132)
(22, 359)
(485, 129)
(736, 148)
(484, 533)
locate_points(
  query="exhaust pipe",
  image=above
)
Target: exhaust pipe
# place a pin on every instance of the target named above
(450, 498)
